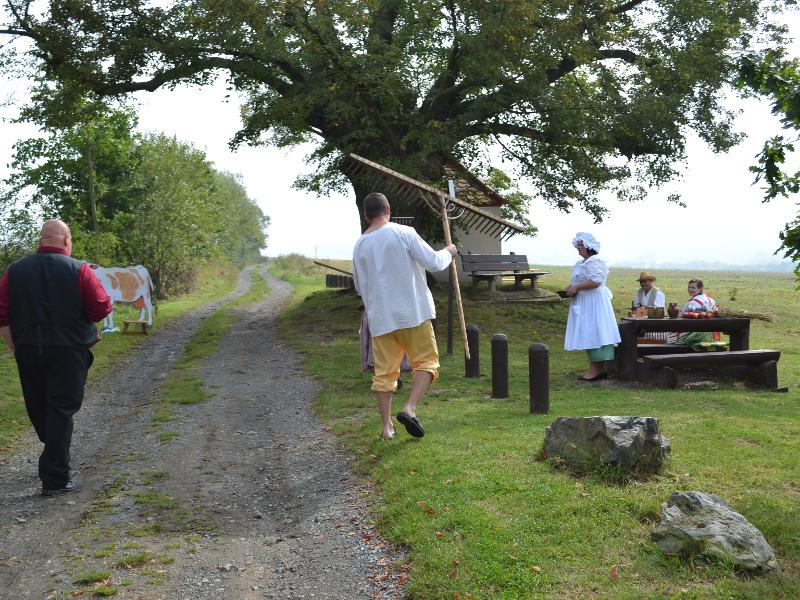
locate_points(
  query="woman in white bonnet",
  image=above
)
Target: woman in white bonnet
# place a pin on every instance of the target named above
(591, 324)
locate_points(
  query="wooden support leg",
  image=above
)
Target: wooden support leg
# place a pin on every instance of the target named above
(667, 378)
(626, 352)
(768, 374)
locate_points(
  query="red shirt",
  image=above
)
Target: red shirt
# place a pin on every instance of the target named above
(96, 302)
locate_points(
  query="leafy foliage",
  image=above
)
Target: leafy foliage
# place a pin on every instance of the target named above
(581, 97)
(779, 79)
(157, 201)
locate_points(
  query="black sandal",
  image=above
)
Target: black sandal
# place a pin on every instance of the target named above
(412, 424)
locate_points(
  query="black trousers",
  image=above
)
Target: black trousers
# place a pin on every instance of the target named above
(53, 380)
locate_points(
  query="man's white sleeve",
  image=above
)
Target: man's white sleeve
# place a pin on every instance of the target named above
(355, 278)
(661, 300)
(430, 259)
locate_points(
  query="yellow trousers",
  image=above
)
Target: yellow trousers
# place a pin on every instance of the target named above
(388, 349)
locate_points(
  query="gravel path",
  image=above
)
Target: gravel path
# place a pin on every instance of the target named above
(250, 498)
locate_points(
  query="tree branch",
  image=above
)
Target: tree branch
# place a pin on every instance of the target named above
(508, 129)
(190, 68)
(19, 32)
(382, 26)
(444, 94)
(626, 55)
(626, 6)
(626, 146)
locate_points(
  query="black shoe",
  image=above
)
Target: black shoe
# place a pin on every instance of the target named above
(70, 487)
(597, 377)
(412, 424)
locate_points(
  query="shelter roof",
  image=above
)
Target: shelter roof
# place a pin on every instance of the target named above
(471, 217)
(470, 187)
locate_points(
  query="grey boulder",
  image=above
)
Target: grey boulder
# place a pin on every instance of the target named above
(700, 523)
(633, 443)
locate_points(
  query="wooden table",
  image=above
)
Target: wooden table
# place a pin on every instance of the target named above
(631, 328)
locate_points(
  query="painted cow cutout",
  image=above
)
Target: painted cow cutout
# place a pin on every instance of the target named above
(127, 284)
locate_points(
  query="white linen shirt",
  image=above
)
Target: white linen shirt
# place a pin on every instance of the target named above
(653, 298)
(389, 267)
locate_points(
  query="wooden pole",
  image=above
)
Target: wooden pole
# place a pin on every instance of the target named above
(454, 270)
(321, 264)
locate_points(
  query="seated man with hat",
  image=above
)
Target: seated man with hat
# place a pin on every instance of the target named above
(648, 294)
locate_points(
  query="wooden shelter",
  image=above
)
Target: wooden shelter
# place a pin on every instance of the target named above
(480, 229)
(465, 215)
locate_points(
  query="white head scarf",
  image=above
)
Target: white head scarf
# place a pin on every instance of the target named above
(589, 241)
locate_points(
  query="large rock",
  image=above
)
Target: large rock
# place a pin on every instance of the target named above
(633, 443)
(700, 523)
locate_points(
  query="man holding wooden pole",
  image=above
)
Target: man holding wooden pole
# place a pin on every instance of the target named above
(389, 264)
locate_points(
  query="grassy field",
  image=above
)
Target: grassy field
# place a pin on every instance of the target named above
(214, 282)
(483, 517)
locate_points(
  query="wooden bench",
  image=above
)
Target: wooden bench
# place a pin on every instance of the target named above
(142, 327)
(493, 267)
(757, 366)
(661, 349)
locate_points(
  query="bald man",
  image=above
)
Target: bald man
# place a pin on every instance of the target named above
(49, 304)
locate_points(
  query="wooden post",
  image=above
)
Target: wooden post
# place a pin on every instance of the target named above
(472, 362)
(539, 378)
(499, 366)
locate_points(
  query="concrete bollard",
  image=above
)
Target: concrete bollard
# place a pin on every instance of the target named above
(472, 366)
(539, 378)
(499, 366)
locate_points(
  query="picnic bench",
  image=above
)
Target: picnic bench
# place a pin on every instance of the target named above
(757, 366)
(493, 267)
(660, 363)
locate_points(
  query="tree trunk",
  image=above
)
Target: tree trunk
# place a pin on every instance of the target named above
(426, 222)
(361, 190)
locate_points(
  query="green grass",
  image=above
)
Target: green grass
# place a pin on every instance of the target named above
(484, 518)
(92, 577)
(105, 551)
(166, 436)
(133, 560)
(214, 282)
(155, 500)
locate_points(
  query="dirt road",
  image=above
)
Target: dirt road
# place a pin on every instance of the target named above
(249, 497)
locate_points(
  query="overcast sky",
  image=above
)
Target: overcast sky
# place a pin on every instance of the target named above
(724, 220)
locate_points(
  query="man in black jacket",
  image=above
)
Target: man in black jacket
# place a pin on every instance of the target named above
(49, 304)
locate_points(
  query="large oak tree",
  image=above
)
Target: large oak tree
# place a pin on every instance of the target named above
(581, 97)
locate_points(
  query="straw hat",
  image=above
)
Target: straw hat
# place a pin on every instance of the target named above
(644, 275)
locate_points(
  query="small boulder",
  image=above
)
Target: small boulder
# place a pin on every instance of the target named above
(701, 523)
(633, 443)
